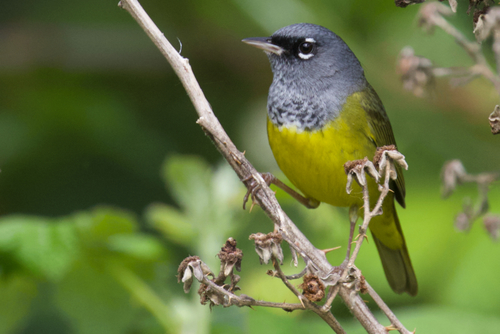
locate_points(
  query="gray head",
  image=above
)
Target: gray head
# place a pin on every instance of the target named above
(314, 72)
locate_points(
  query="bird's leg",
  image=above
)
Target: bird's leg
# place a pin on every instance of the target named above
(271, 179)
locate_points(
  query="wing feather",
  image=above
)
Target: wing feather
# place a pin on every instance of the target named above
(383, 135)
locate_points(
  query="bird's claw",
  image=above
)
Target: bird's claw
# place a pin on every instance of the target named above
(253, 186)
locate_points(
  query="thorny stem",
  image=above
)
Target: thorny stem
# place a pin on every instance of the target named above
(297, 276)
(326, 316)
(368, 215)
(483, 181)
(232, 299)
(384, 308)
(290, 286)
(473, 49)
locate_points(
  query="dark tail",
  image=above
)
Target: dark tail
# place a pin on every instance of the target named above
(397, 264)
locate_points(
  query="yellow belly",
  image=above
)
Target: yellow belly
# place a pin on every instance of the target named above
(314, 160)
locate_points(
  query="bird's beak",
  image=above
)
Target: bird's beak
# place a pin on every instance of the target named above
(265, 44)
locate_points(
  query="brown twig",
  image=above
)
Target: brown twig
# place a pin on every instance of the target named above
(387, 311)
(389, 156)
(453, 174)
(418, 72)
(233, 299)
(326, 316)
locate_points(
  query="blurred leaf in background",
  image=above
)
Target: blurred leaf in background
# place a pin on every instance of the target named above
(210, 210)
(71, 263)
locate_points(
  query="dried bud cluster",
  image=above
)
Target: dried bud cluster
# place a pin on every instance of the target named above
(192, 267)
(389, 155)
(462, 222)
(479, 8)
(416, 72)
(405, 3)
(464, 219)
(313, 288)
(267, 246)
(356, 281)
(492, 225)
(494, 120)
(230, 257)
(385, 157)
(452, 174)
(431, 15)
(486, 23)
(355, 170)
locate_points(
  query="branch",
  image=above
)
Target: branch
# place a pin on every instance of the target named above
(315, 259)
(453, 174)
(397, 325)
(385, 158)
(326, 316)
(418, 73)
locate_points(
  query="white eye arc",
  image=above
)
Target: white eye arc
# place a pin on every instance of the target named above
(303, 56)
(306, 48)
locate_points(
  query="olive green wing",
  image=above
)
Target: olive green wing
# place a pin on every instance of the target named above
(382, 132)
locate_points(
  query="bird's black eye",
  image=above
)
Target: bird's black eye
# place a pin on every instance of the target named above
(306, 48)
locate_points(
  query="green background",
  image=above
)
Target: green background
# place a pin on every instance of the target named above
(107, 182)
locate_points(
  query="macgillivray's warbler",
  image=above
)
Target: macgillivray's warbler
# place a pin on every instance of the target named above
(322, 113)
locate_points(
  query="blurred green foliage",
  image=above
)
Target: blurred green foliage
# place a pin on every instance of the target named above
(94, 222)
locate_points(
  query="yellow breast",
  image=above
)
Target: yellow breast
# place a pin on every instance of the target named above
(314, 160)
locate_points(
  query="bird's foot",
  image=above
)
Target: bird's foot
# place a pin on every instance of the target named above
(253, 186)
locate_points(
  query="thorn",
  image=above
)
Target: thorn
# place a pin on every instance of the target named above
(235, 158)
(244, 152)
(180, 49)
(328, 250)
(251, 206)
(357, 237)
(391, 328)
(301, 302)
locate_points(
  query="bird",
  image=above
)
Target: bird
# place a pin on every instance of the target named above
(322, 113)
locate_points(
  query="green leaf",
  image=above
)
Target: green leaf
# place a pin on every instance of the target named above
(16, 294)
(188, 179)
(139, 246)
(94, 303)
(99, 224)
(109, 221)
(170, 222)
(41, 246)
